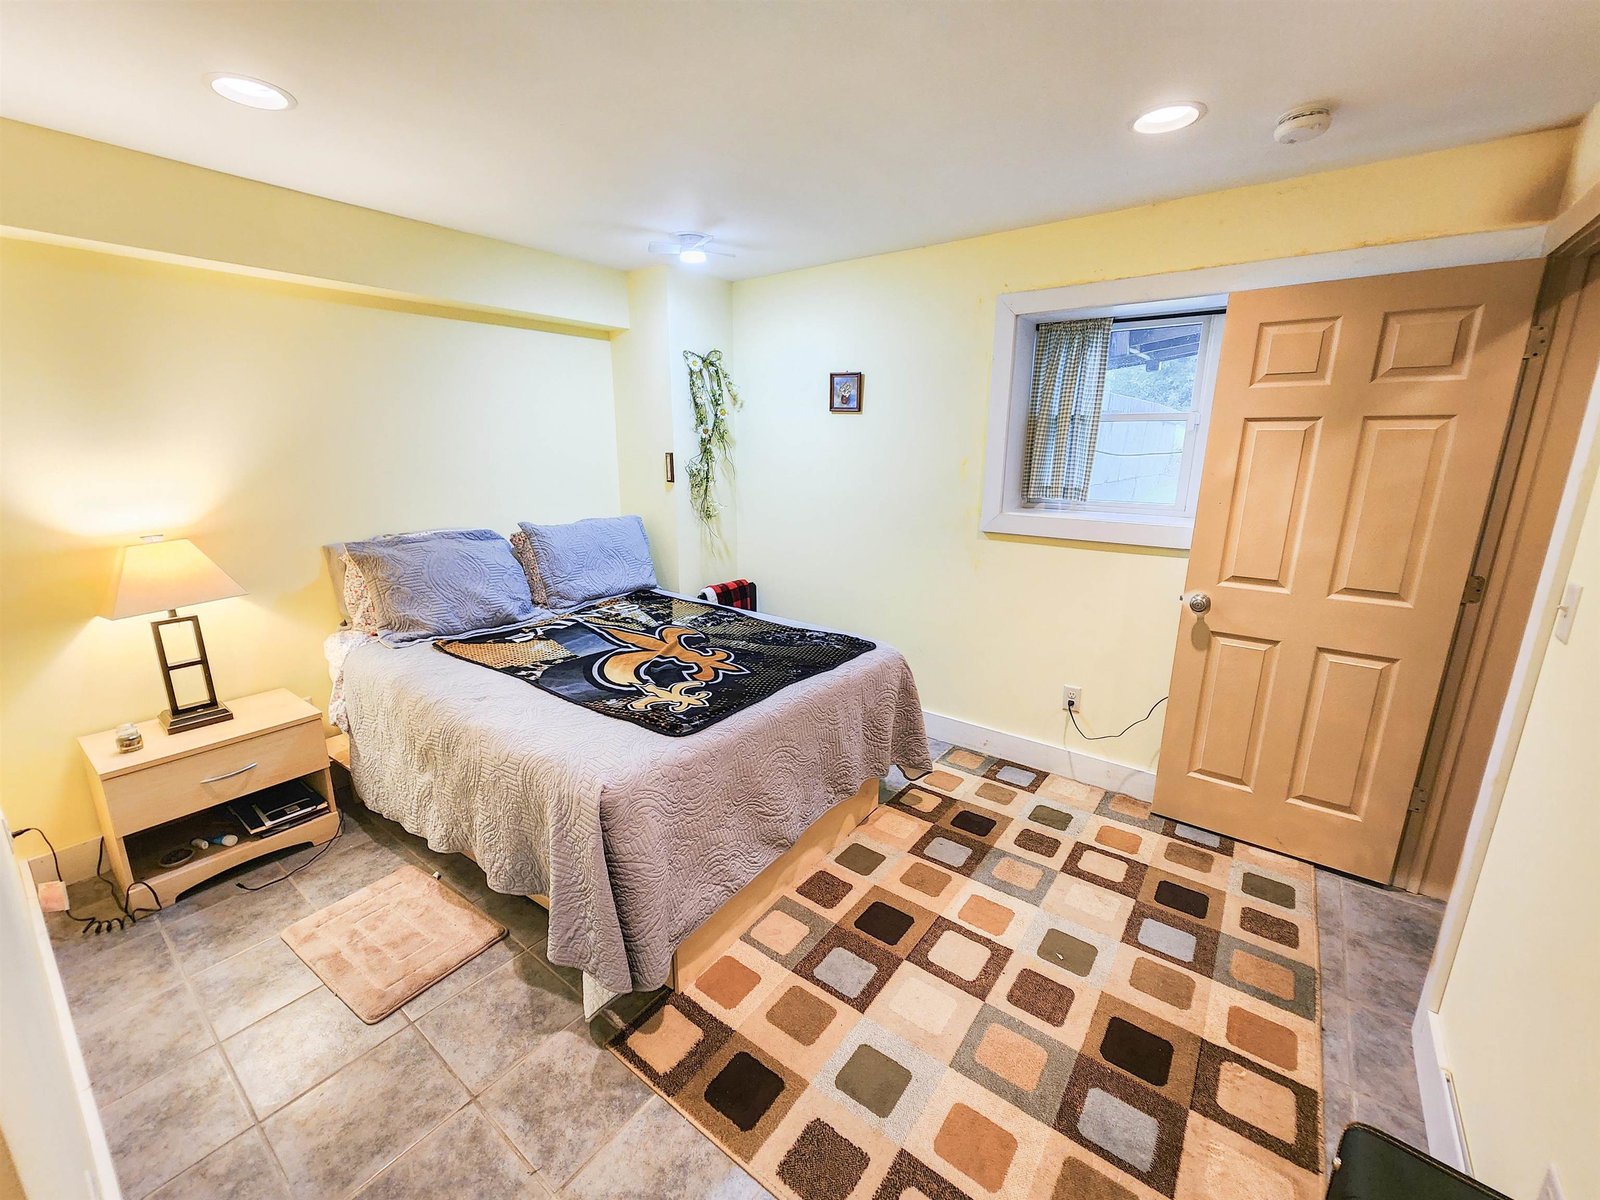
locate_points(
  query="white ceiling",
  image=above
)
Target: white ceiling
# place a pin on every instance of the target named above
(796, 132)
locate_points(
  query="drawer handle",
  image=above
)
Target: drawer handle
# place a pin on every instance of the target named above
(230, 774)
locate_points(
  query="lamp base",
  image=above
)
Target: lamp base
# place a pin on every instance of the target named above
(195, 718)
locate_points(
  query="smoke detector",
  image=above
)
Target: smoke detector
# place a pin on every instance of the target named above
(1302, 124)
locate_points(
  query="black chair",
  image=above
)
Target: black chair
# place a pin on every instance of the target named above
(1371, 1165)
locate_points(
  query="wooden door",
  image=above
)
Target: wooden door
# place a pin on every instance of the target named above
(1355, 430)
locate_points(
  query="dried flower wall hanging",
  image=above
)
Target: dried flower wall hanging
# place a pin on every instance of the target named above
(713, 397)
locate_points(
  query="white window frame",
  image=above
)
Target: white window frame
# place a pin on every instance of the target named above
(1018, 314)
(1129, 524)
(1197, 420)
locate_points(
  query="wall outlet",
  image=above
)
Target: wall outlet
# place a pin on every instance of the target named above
(1552, 1186)
(1072, 697)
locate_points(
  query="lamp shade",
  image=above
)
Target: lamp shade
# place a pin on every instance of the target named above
(158, 575)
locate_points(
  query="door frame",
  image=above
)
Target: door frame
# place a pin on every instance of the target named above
(1575, 234)
(1523, 505)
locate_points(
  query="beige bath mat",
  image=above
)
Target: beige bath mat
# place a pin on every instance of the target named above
(392, 940)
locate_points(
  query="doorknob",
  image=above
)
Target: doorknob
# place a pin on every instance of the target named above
(1198, 602)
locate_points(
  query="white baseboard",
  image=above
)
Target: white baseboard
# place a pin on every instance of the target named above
(1060, 760)
(78, 862)
(1439, 1112)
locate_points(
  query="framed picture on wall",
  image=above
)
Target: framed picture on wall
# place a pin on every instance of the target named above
(844, 392)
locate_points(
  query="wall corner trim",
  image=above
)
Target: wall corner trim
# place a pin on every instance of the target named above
(1061, 760)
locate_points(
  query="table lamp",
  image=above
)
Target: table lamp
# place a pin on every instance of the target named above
(157, 574)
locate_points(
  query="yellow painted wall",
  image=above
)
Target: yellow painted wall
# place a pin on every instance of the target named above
(263, 420)
(641, 362)
(57, 186)
(671, 309)
(1522, 1002)
(700, 320)
(871, 522)
(1584, 173)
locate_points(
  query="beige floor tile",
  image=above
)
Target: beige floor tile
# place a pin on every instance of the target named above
(1383, 977)
(1381, 1061)
(239, 991)
(87, 898)
(1401, 922)
(160, 1130)
(459, 871)
(105, 973)
(244, 1169)
(468, 973)
(130, 1046)
(660, 1155)
(526, 921)
(225, 886)
(203, 937)
(348, 1128)
(560, 1104)
(485, 1028)
(301, 1044)
(348, 866)
(1398, 1120)
(467, 1156)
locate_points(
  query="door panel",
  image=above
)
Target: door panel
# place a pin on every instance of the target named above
(1275, 460)
(1355, 430)
(1238, 683)
(1345, 720)
(1390, 510)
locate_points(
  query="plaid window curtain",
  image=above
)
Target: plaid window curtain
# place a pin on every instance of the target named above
(1069, 379)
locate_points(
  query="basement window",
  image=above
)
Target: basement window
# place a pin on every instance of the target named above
(1105, 424)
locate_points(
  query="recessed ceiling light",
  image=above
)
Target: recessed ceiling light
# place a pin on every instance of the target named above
(1170, 117)
(252, 93)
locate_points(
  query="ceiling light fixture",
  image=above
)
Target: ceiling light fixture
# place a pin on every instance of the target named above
(252, 93)
(691, 249)
(1170, 117)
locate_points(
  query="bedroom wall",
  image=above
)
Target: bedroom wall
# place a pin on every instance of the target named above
(871, 521)
(262, 418)
(57, 187)
(671, 309)
(1518, 1014)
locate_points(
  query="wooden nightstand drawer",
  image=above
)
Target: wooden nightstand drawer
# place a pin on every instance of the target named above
(167, 790)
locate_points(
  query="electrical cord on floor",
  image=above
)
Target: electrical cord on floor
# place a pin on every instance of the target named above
(96, 925)
(338, 833)
(1072, 712)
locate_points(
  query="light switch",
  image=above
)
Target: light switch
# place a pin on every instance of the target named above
(1566, 611)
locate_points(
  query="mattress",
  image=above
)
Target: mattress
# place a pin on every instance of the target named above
(635, 837)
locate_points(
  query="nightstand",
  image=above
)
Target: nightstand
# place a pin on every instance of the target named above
(175, 788)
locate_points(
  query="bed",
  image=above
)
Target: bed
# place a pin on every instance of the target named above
(647, 849)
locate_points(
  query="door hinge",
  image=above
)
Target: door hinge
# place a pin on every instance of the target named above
(1419, 800)
(1473, 592)
(1538, 341)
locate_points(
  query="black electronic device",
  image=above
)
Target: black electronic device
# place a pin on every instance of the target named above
(278, 807)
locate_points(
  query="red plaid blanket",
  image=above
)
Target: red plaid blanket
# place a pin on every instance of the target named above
(736, 593)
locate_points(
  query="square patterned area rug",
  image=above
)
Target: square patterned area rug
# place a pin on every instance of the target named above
(1009, 984)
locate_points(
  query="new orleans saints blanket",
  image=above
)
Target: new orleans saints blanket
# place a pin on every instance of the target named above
(675, 666)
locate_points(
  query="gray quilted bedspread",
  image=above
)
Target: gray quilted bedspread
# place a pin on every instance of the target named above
(635, 837)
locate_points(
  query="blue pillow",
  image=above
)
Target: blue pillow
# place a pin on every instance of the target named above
(448, 583)
(569, 565)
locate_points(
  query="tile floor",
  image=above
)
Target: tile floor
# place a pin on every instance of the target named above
(223, 1067)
